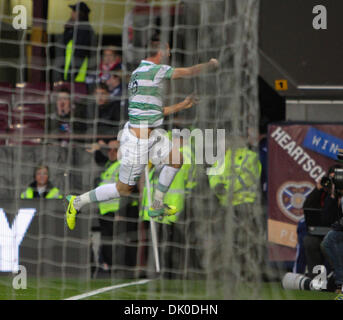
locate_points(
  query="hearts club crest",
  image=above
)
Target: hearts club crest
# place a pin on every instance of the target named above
(291, 196)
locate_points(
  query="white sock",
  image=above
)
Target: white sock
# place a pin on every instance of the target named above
(159, 195)
(106, 192)
(102, 193)
(82, 200)
(165, 179)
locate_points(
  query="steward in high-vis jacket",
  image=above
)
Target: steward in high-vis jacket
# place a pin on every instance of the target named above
(41, 187)
(243, 175)
(237, 189)
(77, 37)
(50, 192)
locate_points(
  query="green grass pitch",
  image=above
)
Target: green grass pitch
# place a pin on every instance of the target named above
(56, 289)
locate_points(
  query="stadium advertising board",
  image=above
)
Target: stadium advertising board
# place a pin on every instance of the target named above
(33, 234)
(299, 156)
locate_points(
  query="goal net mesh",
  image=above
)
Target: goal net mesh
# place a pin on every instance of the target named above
(211, 251)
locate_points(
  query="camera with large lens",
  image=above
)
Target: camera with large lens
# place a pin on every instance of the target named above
(338, 179)
(296, 281)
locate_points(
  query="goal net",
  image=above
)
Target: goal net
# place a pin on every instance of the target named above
(215, 246)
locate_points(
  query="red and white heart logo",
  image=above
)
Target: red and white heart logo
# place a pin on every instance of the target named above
(291, 196)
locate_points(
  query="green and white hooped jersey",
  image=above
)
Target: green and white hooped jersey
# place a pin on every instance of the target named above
(145, 94)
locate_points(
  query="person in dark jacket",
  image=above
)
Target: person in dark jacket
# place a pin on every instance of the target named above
(332, 245)
(77, 38)
(60, 113)
(65, 116)
(327, 200)
(111, 60)
(115, 87)
(105, 112)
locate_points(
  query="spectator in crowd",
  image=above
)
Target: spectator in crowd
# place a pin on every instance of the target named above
(78, 37)
(111, 61)
(41, 187)
(114, 84)
(60, 116)
(60, 120)
(115, 212)
(106, 113)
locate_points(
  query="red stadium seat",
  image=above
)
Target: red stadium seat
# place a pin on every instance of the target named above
(35, 87)
(6, 91)
(3, 140)
(32, 92)
(28, 119)
(28, 112)
(28, 125)
(4, 115)
(5, 100)
(21, 134)
(6, 87)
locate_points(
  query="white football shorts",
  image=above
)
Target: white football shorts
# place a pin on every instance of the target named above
(135, 153)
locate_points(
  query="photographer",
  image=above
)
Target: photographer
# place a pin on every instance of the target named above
(308, 249)
(332, 245)
(326, 198)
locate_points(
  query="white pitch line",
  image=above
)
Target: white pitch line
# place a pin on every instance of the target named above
(101, 290)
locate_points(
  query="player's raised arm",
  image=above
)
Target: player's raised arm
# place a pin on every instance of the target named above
(195, 70)
(185, 104)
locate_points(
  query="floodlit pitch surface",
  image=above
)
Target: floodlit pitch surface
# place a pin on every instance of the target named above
(54, 289)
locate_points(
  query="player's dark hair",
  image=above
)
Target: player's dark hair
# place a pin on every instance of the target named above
(155, 46)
